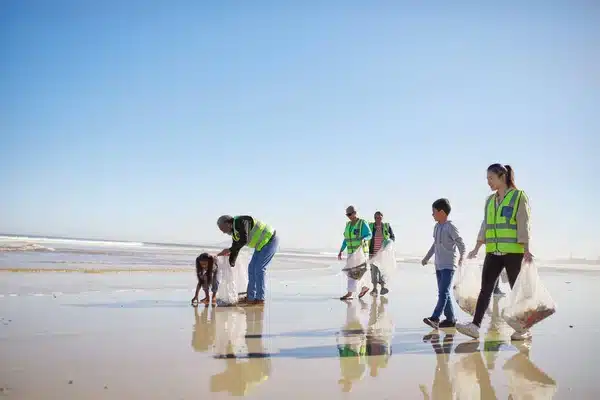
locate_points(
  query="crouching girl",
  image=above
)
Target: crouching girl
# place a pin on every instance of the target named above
(206, 272)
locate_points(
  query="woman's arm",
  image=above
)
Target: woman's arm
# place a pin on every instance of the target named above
(522, 218)
(480, 236)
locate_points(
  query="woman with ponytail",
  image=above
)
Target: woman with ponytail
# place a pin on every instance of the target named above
(505, 233)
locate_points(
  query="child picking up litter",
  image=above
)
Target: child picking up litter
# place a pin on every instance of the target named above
(446, 240)
(206, 272)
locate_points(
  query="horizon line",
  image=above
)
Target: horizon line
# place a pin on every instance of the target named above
(217, 245)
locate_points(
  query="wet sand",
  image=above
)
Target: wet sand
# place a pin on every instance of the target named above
(302, 344)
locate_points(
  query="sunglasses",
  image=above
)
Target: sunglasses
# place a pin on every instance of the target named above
(350, 214)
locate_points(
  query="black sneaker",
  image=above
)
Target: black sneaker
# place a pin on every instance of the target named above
(447, 324)
(384, 291)
(431, 322)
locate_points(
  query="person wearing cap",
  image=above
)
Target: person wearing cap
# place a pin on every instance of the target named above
(356, 238)
(248, 231)
(382, 232)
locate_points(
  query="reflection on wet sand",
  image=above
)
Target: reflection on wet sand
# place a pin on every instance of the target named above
(204, 329)
(441, 387)
(379, 337)
(368, 346)
(469, 377)
(239, 343)
(352, 347)
(527, 381)
(358, 347)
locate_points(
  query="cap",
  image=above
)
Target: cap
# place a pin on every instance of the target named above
(350, 210)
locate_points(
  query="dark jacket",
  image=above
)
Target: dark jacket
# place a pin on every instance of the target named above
(372, 241)
(242, 224)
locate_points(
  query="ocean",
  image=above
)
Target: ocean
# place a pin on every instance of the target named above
(31, 265)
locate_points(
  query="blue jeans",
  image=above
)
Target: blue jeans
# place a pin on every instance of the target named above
(258, 267)
(444, 282)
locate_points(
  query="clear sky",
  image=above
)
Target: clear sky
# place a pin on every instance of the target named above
(146, 120)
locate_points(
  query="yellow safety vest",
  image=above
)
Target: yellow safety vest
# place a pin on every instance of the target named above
(352, 235)
(259, 235)
(501, 224)
(386, 230)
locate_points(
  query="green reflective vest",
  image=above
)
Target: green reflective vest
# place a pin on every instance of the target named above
(386, 230)
(352, 351)
(501, 224)
(259, 235)
(352, 235)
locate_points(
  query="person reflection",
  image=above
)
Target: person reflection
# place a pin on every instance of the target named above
(441, 388)
(497, 334)
(242, 330)
(470, 376)
(204, 332)
(352, 347)
(379, 336)
(471, 373)
(525, 380)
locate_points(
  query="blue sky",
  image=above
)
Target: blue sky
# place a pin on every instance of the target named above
(146, 120)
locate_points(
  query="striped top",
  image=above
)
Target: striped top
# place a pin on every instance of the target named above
(377, 238)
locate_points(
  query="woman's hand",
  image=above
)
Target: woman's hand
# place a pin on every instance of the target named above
(472, 254)
(528, 257)
(340, 256)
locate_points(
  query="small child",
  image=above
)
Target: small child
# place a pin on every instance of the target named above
(206, 272)
(445, 241)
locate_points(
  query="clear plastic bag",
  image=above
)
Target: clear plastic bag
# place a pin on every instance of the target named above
(232, 280)
(529, 301)
(504, 276)
(356, 265)
(385, 259)
(467, 286)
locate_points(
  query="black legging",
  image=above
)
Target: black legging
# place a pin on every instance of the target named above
(492, 268)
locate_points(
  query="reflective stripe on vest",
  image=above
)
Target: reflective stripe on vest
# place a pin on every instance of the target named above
(352, 235)
(259, 235)
(386, 230)
(500, 231)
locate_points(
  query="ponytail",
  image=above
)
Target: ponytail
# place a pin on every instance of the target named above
(510, 177)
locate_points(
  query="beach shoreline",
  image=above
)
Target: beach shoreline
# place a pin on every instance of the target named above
(131, 337)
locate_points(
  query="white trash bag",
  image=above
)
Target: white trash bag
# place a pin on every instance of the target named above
(356, 265)
(529, 301)
(467, 286)
(385, 259)
(233, 281)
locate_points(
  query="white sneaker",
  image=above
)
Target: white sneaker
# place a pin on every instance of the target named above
(521, 335)
(469, 329)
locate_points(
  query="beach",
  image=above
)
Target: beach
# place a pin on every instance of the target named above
(114, 321)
